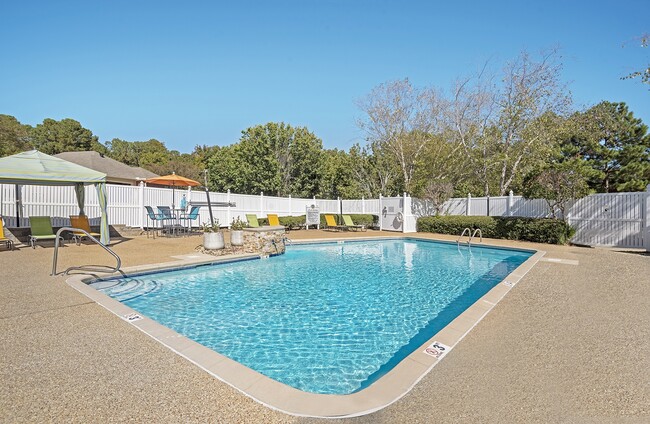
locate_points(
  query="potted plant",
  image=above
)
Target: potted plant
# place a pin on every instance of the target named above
(236, 233)
(212, 236)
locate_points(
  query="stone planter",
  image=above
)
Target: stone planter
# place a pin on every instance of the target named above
(213, 241)
(237, 237)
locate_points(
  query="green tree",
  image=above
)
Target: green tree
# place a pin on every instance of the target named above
(52, 137)
(14, 136)
(338, 177)
(614, 144)
(147, 154)
(275, 158)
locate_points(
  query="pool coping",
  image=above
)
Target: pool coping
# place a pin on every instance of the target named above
(278, 396)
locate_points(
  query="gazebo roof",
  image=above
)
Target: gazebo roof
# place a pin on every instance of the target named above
(36, 168)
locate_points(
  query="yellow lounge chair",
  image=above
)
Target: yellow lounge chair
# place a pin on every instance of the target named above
(330, 224)
(273, 219)
(81, 222)
(3, 239)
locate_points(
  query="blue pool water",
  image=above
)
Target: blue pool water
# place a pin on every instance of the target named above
(324, 318)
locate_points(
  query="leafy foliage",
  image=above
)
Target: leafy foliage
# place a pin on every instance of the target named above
(276, 159)
(14, 136)
(613, 144)
(67, 135)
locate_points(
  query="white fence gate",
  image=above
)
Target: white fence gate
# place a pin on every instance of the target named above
(611, 219)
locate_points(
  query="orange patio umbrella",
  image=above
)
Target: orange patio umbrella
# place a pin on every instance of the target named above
(173, 181)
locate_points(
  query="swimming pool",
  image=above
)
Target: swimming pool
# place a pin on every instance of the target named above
(324, 318)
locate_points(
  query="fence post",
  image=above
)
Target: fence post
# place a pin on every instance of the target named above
(338, 218)
(363, 205)
(645, 225)
(290, 212)
(468, 207)
(511, 203)
(261, 203)
(404, 209)
(380, 214)
(141, 205)
(228, 217)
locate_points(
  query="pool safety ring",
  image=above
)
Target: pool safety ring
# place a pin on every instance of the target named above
(399, 217)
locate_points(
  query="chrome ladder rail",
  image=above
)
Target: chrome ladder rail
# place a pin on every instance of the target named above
(480, 233)
(56, 254)
(469, 234)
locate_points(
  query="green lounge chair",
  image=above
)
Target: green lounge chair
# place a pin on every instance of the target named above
(252, 220)
(41, 228)
(347, 220)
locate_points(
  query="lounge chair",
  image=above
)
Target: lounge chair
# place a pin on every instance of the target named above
(41, 228)
(350, 225)
(8, 242)
(330, 224)
(81, 222)
(252, 220)
(273, 219)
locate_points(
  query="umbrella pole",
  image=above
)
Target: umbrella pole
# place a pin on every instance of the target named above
(207, 193)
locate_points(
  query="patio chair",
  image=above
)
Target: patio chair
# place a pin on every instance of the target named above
(81, 222)
(350, 225)
(41, 228)
(189, 217)
(252, 220)
(154, 217)
(330, 224)
(7, 241)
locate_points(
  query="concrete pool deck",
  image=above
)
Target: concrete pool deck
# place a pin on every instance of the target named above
(568, 343)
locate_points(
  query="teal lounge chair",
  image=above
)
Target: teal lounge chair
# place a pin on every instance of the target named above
(41, 228)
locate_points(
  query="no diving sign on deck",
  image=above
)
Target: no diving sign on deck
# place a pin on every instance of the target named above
(437, 350)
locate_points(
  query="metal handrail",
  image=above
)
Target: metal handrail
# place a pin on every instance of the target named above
(56, 252)
(480, 233)
(469, 234)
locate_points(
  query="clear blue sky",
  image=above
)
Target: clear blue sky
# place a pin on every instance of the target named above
(189, 73)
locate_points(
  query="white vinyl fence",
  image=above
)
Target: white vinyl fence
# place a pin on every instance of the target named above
(617, 219)
(605, 219)
(126, 204)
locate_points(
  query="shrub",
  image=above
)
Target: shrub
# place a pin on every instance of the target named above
(293, 221)
(539, 230)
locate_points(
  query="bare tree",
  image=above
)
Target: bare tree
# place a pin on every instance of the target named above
(399, 120)
(470, 115)
(504, 128)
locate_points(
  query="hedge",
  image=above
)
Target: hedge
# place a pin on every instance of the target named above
(539, 230)
(299, 221)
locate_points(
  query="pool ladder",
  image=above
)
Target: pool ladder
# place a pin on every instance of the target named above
(471, 236)
(88, 268)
